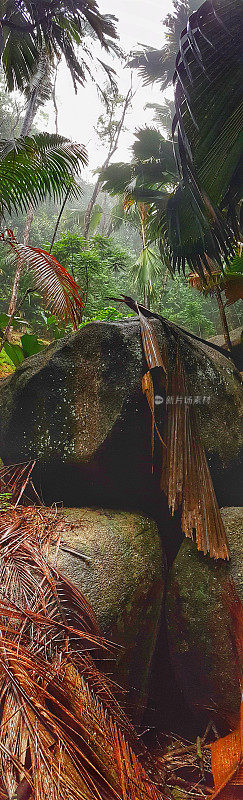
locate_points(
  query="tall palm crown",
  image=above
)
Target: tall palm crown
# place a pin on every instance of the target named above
(198, 222)
(159, 64)
(60, 26)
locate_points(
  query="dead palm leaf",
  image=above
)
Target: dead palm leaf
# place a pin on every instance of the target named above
(59, 290)
(185, 476)
(62, 730)
(14, 479)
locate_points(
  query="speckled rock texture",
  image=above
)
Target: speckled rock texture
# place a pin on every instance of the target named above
(123, 581)
(200, 628)
(78, 409)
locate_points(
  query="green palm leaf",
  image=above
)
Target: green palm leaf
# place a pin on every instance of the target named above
(158, 65)
(146, 269)
(201, 217)
(153, 165)
(200, 221)
(63, 28)
(34, 168)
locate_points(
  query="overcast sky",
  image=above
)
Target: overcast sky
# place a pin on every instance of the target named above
(139, 21)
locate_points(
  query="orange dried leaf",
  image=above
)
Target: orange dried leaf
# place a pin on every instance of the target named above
(227, 761)
(185, 476)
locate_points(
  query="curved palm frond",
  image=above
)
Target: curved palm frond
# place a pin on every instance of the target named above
(54, 283)
(153, 165)
(146, 269)
(62, 732)
(163, 114)
(158, 65)
(153, 65)
(201, 217)
(150, 143)
(29, 26)
(37, 167)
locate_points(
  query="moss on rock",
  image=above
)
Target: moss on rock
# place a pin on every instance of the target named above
(199, 624)
(123, 581)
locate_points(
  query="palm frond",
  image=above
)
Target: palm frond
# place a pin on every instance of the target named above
(149, 143)
(14, 479)
(185, 476)
(200, 221)
(116, 177)
(208, 102)
(59, 290)
(35, 168)
(157, 65)
(62, 732)
(30, 26)
(146, 269)
(163, 114)
(153, 165)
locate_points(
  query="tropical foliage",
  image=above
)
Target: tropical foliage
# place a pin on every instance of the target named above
(29, 27)
(196, 220)
(152, 166)
(51, 279)
(62, 731)
(99, 267)
(158, 65)
(36, 167)
(185, 476)
(202, 216)
(200, 220)
(32, 169)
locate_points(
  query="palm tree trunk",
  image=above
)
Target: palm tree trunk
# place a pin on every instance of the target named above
(25, 130)
(18, 273)
(112, 150)
(146, 298)
(90, 206)
(59, 218)
(223, 318)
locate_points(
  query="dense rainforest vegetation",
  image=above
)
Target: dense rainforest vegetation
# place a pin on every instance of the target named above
(107, 258)
(120, 553)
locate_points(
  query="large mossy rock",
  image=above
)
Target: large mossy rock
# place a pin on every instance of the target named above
(200, 629)
(77, 407)
(123, 580)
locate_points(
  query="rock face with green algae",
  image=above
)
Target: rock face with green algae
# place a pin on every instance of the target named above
(123, 581)
(78, 409)
(200, 628)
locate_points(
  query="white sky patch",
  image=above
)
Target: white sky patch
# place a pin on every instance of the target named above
(139, 21)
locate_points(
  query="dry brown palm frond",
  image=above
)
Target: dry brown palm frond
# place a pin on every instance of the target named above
(14, 479)
(185, 476)
(59, 290)
(227, 764)
(61, 725)
(187, 766)
(56, 713)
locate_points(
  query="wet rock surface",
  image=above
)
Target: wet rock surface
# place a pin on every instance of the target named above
(200, 630)
(78, 409)
(122, 576)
